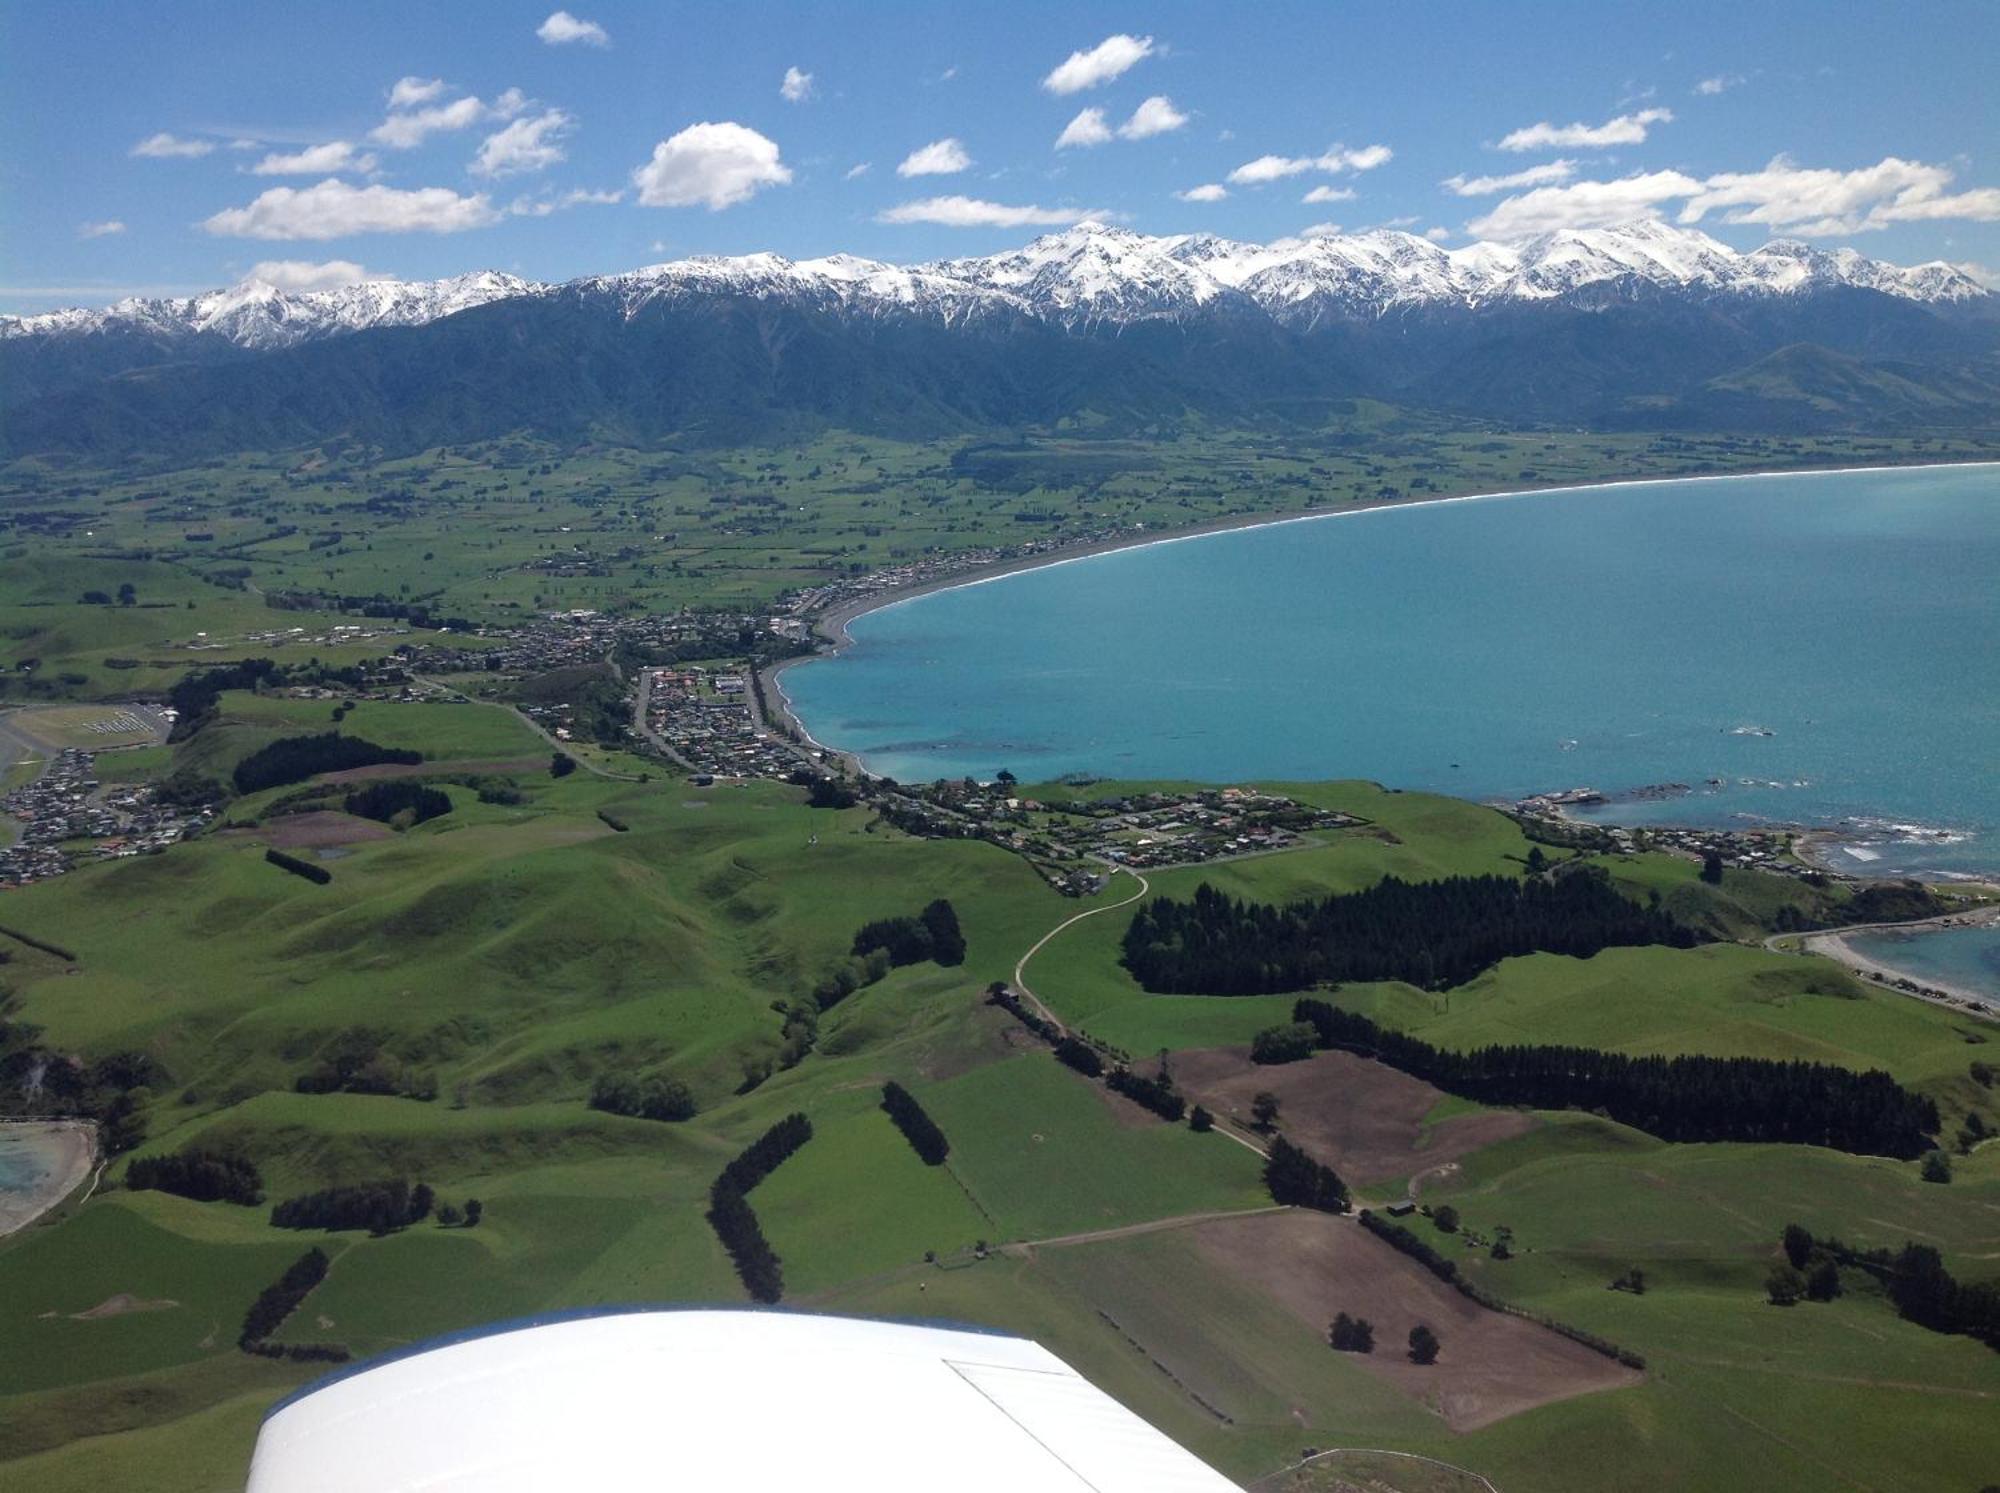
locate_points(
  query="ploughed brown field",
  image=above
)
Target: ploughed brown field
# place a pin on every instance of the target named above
(1491, 1366)
(1362, 1118)
(321, 829)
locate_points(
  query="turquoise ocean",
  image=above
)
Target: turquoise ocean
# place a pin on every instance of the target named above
(1815, 649)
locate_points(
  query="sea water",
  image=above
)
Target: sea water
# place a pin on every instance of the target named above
(1958, 958)
(1818, 649)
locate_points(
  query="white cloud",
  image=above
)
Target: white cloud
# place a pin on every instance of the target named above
(797, 87)
(298, 275)
(858, 170)
(717, 164)
(1319, 230)
(1103, 62)
(971, 212)
(1583, 204)
(409, 92)
(1212, 191)
(1328, 194)
(164, 146)
(562, 28)
(407, 129)
(939, 158)
(1990, 278)
(1438, 234)
(542, 207)
(1337, 158)
(335, 209)
(1543, 175)
(1816, 202)
(528, 144)
(100, 230)
(1088, 128)
(1626, 129)
(1156, 116)
(315, 160)
(1709, 87)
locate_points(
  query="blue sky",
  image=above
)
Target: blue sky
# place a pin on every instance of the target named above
(164, 148)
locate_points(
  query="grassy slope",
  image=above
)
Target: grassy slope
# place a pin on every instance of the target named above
(516, 950)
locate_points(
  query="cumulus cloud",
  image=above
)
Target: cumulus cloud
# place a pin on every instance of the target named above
(1783, 196)
(410, 92)
(335, 209)
(100, 230)
(716, 164)
(1626, 129)
(297, 275)
(939, 158)
(1544, 175)
(1583, 204)
(530, 143)
(797, 86)
(1990, 278)
(316, 160)
(164, 146)
(971, 212)
(1319, 230)
(1336, 159)
(562, 28)
(1329, 194)
(1156, 116)
(1211, 191)
(1088, 128)
(1438, 234)
(406, 129)
(1109, 59)
(1709, 87)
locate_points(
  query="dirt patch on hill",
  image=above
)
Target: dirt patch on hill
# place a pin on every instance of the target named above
(1363, 1118)
(121, 1305)
(320, 830)
(495, 767)
(1492, 1365)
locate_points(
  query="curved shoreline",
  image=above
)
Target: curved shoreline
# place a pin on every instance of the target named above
(74, 1144)
(1833, 944)
(832, 624)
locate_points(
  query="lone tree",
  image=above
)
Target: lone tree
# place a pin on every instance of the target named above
(1446, 1218)
(1424, 1344)
(1823, 1280)
(1784, 1285)
(474, 1211)
(561, 765)
(1264, 1110)
(1200, 1120)
(1711, 868)
(1798, 1245)
(1352, 1334)
(1937, 1167)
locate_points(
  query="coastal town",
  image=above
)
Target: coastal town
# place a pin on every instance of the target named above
(66, 806)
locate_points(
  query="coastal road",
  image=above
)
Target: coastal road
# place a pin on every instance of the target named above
(1021, 966)
(1831, 943)
(641, 722)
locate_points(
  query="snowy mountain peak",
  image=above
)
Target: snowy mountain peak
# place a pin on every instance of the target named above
(1087, 274)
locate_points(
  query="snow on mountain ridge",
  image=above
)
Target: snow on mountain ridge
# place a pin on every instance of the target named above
(1087, 274)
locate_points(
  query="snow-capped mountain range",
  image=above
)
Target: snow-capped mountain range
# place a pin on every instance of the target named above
(1089, 274)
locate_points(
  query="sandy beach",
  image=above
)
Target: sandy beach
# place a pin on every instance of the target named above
(832, 624)
(63, 1153)
(1834, 945)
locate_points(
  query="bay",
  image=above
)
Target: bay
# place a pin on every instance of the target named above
(1819, 649)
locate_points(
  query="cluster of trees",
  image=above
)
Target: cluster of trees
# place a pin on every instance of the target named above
(1914, 1277)
(1678, 1099)
(998, 994)
(204, 1176)
(561, 765)
(1400, 1238)
(1284, 1044)
(317, 875)
(354, 1063)
(1434, 934)
(933, 934)
(35, 1079)
(1295, 1179)
(1080, 1055)
(196, 693)
(918, 1128)
(278, 1301)
(293, 759)
(384, 801)
(730, 1214)
(827, 793)
(654, 1097)
(1352, 1334)
(1157, 1094)
(379, 1207)
(857, 972)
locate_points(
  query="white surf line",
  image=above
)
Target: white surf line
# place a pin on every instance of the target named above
(1021, 965)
